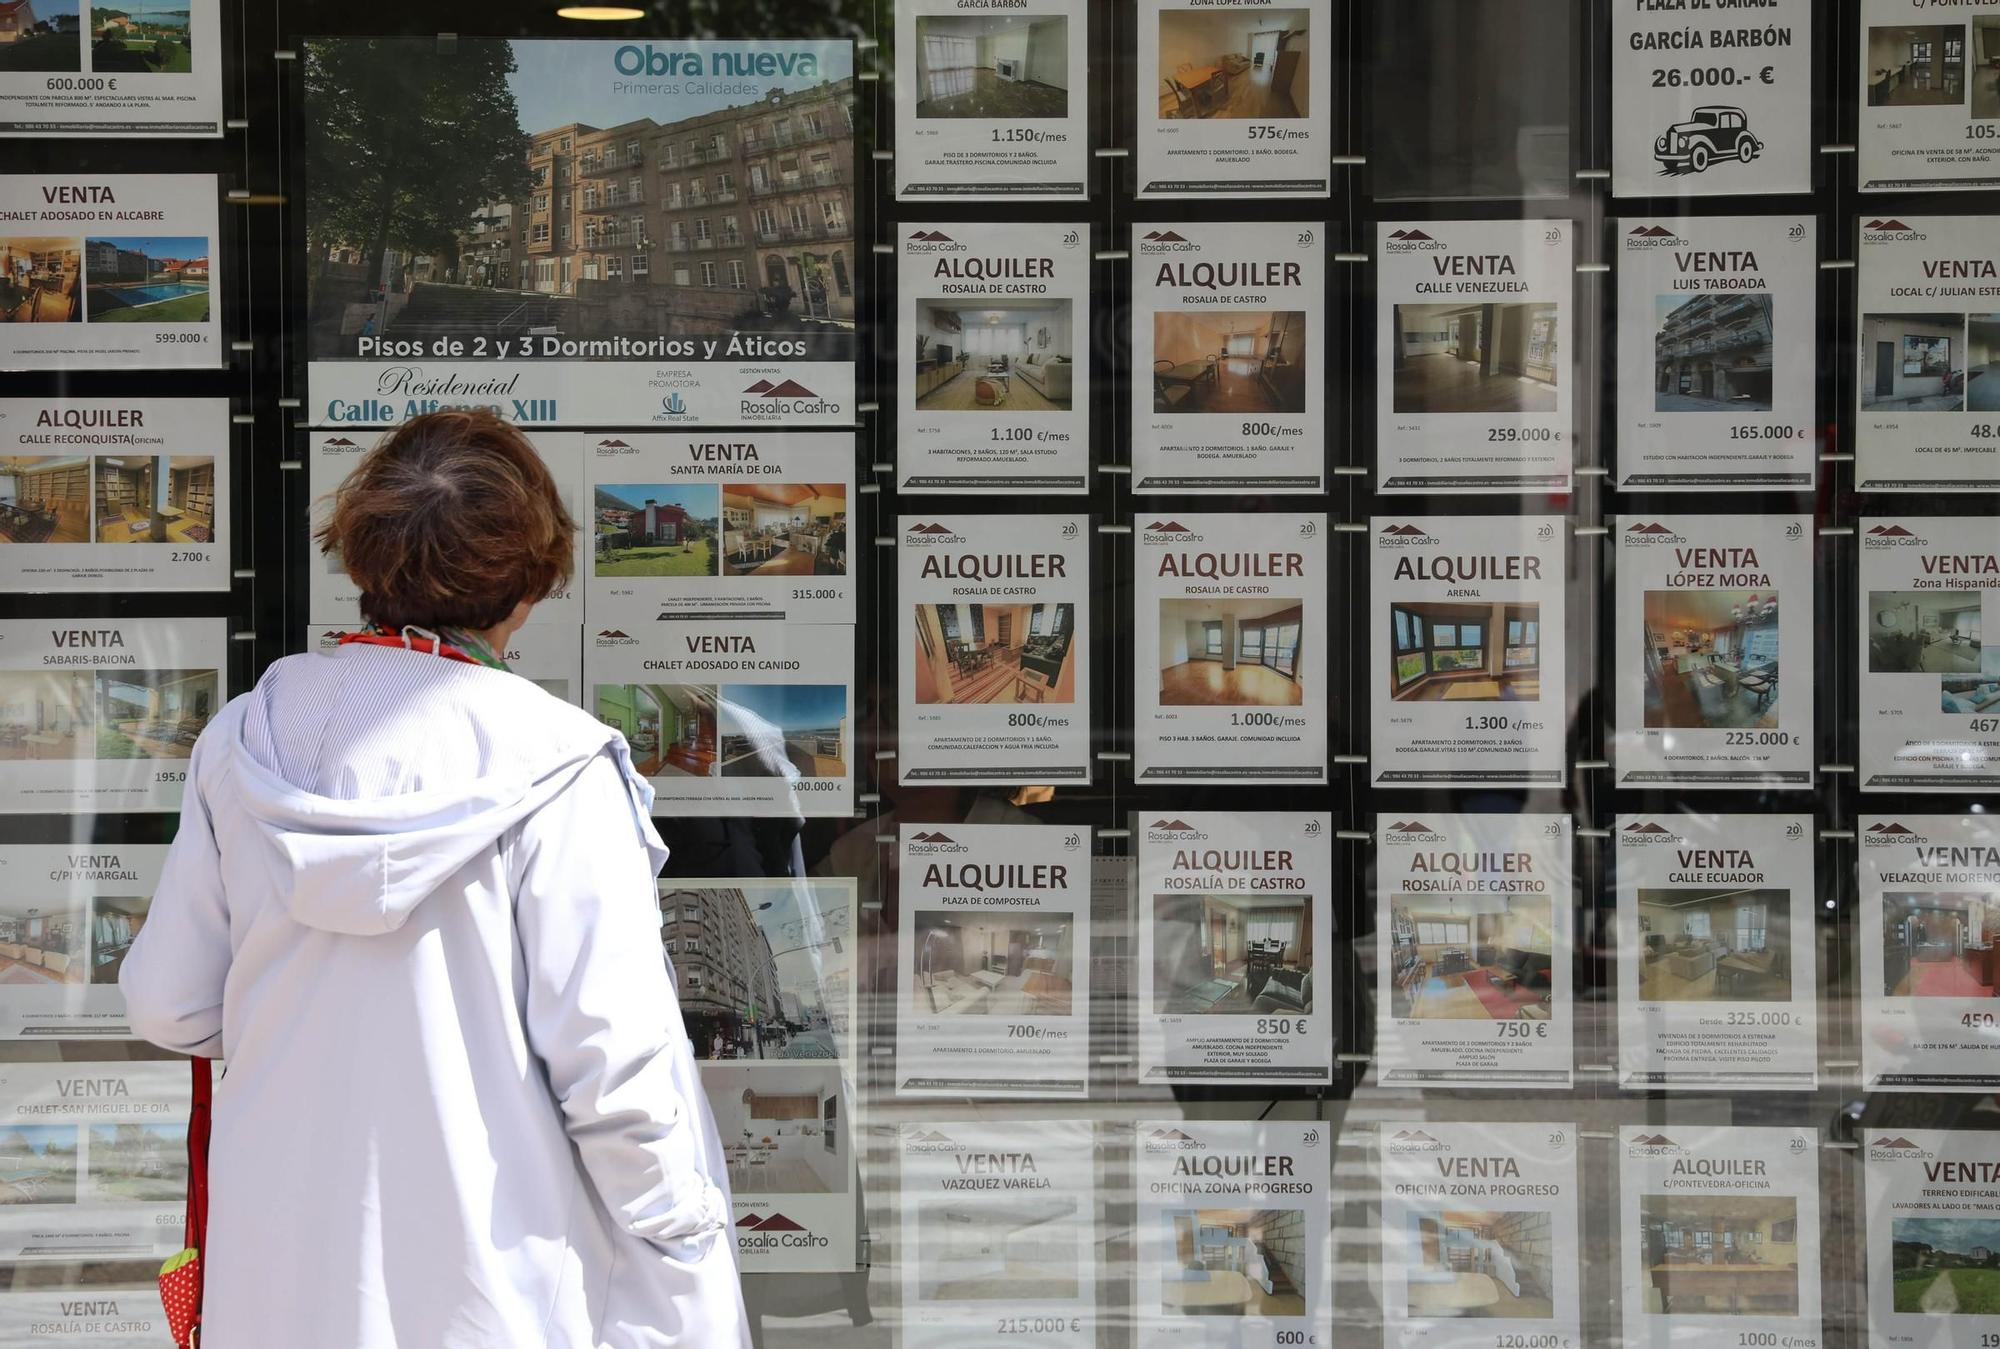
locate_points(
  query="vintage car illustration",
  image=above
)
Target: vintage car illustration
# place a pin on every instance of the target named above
(1709, 134)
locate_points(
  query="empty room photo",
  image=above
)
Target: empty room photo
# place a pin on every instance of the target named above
(1706, 1254)
(995, 653)
(656, 529)
(38, 1164)
(670, 727)
(44, 498)
(1482, 653)
(47, 714)
(784, 529)
(1004, 355)
(1913, 362)
(1471, 959)
(39, 279)
(146, 280)
(992, 65)
(1232, 653)
(1236, 1262)
(788, 1141)
(1925, 632)
(1946, 1266)
(1715, 945)
(1939, 945)
(1475, 1262)
(1985, 67)
(972, 963)
(1982, 353)
(1712, 352)
(1234, 65)
(155, 498)
(1711, 659)
(1232, 955)
(1239, 361)
(44, 943)
(1019, 1247)
(1475, 358)
(783, 730)
(1916, 65)
(154, 714)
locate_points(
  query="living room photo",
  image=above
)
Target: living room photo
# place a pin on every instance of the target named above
(1000, 963)
(44, 943)
(1481, 653)
(1000, 355)
(1715, 945)
(1925, 632)
(992, 65)
(1237, 361)
(1479, 1262)
(1232, 955)
(1231, 653)
(995, 653)
(784, 529)
(1475, 358)
(1711, 659)
(1471, 958)
(1939, 945)
(1236, 1262)
(670, 727)
(1232, 65)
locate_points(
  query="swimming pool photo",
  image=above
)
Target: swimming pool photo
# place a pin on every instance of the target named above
(146, 280)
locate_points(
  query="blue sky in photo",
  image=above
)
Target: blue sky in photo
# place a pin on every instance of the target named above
(173, 12)
(1950, 1234)
(704, 503)
(790, 707)
(40, 1137)
(52, 9)
(564, 81)
(158, 246)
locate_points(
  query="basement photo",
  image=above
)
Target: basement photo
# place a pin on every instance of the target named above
(1005, 964)
(1711, 659)
(1482, 653)
(1246, 360)
(1480, 1263)
(1232, 955)
(1236, 1262)
(1231, 653)
(1471, 958)
(1482, 358)
(1715, 945)
(1940, 945)
(1000, 355)
(992, 65)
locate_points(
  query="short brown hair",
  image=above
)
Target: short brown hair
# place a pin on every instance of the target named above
(449, 522)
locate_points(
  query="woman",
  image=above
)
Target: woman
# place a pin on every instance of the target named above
(412, 904)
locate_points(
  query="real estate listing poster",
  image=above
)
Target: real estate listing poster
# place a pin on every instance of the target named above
(79, 475)
(1933, 1233)
(1930, 695)
(95, 1158)
(68, 915)
(1473, 983)
(100, 715)
(1235, 920)
(764, 970)
(994, 680)
(137, 68)
(994, 945)
(589, 233)
(1230, 319)
(1234, 99)
(331, 456)
(1719, 1232)
(999, 1234)
(757, 720)
(1710, 608)
(992, 100)
(991, 395)
(1716, 952)
(694, 527)
(1928, 294)
(1235, 607)
(1930, 923)
(1232, 1227)
(1460, 605)
(1479, 1241)
(1473, 372)
(108, 271)
(549, 655)
(1708, 104)
(1929, 99)
(1717, 321)
(121, 1317)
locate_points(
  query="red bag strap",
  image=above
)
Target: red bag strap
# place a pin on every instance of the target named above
(197, 1141)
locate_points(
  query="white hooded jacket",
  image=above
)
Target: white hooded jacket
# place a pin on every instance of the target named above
(411, 902)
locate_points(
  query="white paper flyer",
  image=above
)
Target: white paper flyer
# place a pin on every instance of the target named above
(1927, 115)
(1933, 1217)
(68, 915)
(132, 71)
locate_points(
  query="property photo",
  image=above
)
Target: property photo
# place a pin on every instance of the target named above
(155, 498)
(1705, 945)
(1946, 1266)
(1234, 64)
(995, 653)
(1913, 362)
(1235, 1262)
(1480, 653)
(783, 730)
(993, 963)
(784, 1142)
(47, 714)
(1712, 352)
(1010, 355)
(1940, 945)
(1475, 358)
(1480, 1262)
(1244, 360)
(784, 529)
(1231, 653)
(1474, 958)
(670, 727)
(1916, 65)
(44, 943)
(1925, 632)
(37, 1164)
(1016, 1246)
(992, 65)
(146, 280)
(762, 969)
(1232, 955)
(44, 498)
(141, 37)
(39, 278)
(154, 714)
(656, 529)
(115, 921)
(1985, 78)
(40, 35)
(138, 1163)
(1702, 1254)
(1982, 350)
(1711, 659)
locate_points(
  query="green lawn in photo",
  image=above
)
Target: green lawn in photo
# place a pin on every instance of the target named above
(43, 51)
(1970, 1292)
(134, 55)
(677, 559)
(160, 1189)
(113, 743)
(181, 309)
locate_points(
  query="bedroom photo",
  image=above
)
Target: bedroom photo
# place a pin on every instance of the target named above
(996, 963)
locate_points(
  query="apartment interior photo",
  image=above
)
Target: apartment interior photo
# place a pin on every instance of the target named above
(1004, 354)
(784, 529)
(1470, 958)
(1235, 64)
(1935, 632)
(1982, 347)
(1235, 653)
(1708, 1254)
(1940, 945)
(44, 498)
(670, 727)
(1711, 659)
(1465, 652)
(783, 730)
(1481, 1263)
(154, 714)
(1232, 954)
(993, 964)
(1236, 1262)
(1234, 361)
(43, 944)
(114, 925)
(995, 653)
(1917, 65)
(47, 714)
(1985, 78)
(38, 280)
(1474, 358)
(784, 1142)
(1011, 1246)
(156, 498)
(993, 65)
(1715, 945)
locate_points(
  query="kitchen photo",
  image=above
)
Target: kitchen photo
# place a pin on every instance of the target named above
(1231, 652)
(1452, 652)
(39, 280)
(37, 1164)
(1713, 352)
(1711, 659)
(1480, 1263)
(1002, 354)
(783, 730)
(995, 653)
(1940, 945)
(993, 65)
(993, 963)
(784, 529)
(1233, 955)
(1236, 1262)
(1234, 64)
(790, 1139)
(1946, 1266)
(656, 529)
(44, 943)
(154, 714)
(670, 727)
(44, 498)
(1707, 1255)
(1471, 958)
(1474, 358)
(47, 714)
(1912, 362)
(1012, 1246)
(1708, 945)
(166, 498)
(1232, 361)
